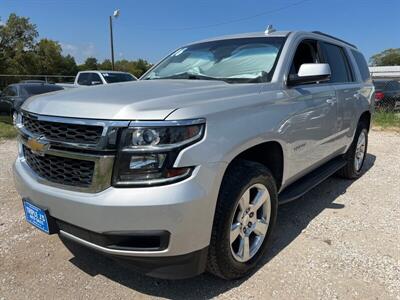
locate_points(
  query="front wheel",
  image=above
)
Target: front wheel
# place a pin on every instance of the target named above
(245, 215)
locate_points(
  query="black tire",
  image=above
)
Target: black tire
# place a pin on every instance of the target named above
(239, 177)
(349, 171)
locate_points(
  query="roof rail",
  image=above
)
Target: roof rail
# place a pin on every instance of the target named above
(335, 38)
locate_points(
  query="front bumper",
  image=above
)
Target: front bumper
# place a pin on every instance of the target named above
(185, 210)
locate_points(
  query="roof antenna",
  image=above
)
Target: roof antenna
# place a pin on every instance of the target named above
(270, 29)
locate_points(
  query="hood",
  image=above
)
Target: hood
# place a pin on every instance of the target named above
(139, 100)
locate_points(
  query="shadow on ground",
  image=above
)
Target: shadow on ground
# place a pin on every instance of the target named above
(292, 219)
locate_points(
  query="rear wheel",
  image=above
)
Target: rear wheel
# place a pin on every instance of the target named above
(245, 215)
(356, 154)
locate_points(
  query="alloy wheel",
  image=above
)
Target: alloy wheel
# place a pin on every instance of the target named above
(250, 222)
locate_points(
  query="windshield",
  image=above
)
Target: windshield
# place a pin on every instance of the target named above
(118, 77)
(233, 60)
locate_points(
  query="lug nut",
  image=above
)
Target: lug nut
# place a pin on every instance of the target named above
(249, 224)
(251, 214)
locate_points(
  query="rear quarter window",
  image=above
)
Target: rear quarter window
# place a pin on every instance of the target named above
(362, 65)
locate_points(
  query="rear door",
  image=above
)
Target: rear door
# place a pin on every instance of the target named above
(348, 91)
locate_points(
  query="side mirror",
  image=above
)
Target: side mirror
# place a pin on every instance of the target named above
(310, 73)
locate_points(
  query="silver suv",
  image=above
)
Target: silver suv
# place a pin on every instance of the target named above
(183, 171)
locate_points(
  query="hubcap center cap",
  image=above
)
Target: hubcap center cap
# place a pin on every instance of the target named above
(246, 220)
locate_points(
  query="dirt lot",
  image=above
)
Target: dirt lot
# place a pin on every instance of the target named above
(341, 240)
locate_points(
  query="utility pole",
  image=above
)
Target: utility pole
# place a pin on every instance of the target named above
(115, 15)
(112, 44)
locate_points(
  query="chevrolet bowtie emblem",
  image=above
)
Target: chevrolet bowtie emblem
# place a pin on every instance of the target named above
(37, 145)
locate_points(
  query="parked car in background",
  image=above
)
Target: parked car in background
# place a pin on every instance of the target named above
(387, 94)
(15, 95)
(102, 77)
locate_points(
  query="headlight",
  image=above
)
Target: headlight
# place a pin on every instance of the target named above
(148, 151)
(17, 119)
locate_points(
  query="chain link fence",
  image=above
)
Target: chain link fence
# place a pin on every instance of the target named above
(7, 79)
(387, 94)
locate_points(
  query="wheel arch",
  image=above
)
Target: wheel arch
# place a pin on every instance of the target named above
(270, 154)
(366, 118)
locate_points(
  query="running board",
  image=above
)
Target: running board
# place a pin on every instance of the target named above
(309, 181)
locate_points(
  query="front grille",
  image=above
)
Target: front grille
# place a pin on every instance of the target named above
(61, 170)
(63, 132)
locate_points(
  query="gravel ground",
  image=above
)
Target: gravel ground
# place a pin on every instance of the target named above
(341, 240)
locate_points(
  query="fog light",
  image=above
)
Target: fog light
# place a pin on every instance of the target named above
(147, 161)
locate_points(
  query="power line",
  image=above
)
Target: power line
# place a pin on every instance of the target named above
(230, 21)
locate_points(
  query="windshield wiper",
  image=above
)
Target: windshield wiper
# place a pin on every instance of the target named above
(264, 77)
(187, 75)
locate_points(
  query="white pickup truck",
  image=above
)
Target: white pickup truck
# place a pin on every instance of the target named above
(102, 77)
(97, 77)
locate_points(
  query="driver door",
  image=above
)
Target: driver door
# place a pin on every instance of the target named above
(313, 124)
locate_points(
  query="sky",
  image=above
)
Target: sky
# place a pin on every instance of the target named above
(151, 29)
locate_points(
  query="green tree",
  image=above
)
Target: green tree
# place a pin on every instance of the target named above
(388, 57)
(50, 61)
(69, 66)
(105, 65)
(89, 64)
(21, 53)
(17, 41)
(137, 68)
(49, 57)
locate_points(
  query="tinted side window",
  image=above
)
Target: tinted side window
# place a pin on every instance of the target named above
(393, 86)
(338, 62)
(10, 91)
(117, 77)
(306, 53)
(84, 79)
(380, 85)
(7, 91)
(389, 86)
(362, 65)
(96, 79)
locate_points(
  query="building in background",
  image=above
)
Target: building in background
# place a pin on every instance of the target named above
(385, 72)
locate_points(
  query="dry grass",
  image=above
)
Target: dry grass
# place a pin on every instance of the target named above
(387, 121)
